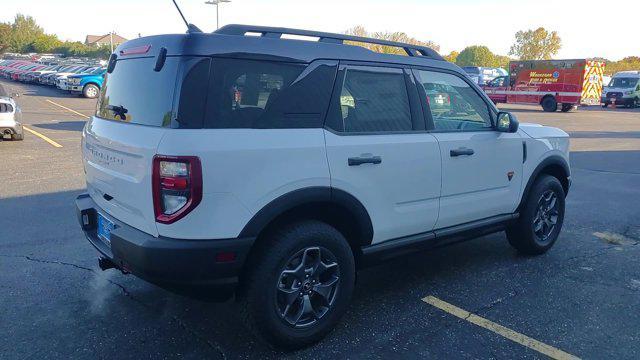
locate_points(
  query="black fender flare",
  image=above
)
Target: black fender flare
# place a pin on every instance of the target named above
(311, 195)
(556, 160)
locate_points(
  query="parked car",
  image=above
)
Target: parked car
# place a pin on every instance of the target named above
(32, 76)
(10, 117)
(483, 75)
(88, 84)
(624, 89)
(275, 173)
(61, 78)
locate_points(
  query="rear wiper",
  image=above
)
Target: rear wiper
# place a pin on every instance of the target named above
(119, 111)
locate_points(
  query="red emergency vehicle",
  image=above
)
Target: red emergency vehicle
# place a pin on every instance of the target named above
(550, 83)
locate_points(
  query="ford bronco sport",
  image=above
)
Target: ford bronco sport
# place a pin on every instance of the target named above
(271, 167)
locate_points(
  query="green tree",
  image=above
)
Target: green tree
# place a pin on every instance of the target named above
(5, 37)
(452, 56)
(628, 63)
(538, 44)
(390, 36)
(44, 43)
(24, 31)
(476, 55)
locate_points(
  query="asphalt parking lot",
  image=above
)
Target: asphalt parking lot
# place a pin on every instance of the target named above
(581, 299)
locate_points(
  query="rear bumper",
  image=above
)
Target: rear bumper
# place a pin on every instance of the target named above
(184, 266)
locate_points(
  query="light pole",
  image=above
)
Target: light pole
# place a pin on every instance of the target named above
(217, 3)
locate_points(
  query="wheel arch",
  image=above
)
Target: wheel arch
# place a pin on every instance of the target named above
(334, 206)
(554, 165)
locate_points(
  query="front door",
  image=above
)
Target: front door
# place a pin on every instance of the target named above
(379, 152)
(481, 167)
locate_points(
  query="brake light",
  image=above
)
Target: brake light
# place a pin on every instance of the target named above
(177, 186)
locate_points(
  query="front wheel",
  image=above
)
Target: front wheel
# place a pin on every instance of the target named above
(549, 104)
(541, 218)
(90, 91)
(299, 284)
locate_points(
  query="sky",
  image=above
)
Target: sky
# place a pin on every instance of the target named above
(588, 28)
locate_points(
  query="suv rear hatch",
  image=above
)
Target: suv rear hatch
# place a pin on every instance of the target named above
(138, 105)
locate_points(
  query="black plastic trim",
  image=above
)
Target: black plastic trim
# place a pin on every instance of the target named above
(551, 160)
(372, 254)
(311, 195)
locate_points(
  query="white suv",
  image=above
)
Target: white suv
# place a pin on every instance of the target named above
(272, 168)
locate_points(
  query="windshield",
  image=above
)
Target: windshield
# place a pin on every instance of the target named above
(623, 82)
(472, 70)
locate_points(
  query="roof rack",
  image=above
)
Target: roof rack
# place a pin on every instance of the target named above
(277, 32)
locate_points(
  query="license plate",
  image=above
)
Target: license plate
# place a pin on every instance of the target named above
(104, 229)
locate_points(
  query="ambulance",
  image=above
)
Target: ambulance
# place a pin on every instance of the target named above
(553, 84)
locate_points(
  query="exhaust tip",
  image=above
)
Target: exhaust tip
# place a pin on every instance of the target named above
(105, 264)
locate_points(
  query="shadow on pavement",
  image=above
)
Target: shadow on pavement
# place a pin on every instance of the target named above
(62, 125)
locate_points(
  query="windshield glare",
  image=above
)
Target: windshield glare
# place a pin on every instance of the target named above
(623, 82)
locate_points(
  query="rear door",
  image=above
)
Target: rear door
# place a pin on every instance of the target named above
(379, 152)
(135, 110)
(481, 167)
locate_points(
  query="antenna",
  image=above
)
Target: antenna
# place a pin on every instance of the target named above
(190, 27)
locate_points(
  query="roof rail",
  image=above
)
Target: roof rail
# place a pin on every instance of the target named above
(277, 32)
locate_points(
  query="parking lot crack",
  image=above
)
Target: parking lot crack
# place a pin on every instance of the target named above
(491, 305)
(29, 258)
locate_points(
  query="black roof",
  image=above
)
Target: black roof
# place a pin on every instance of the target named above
(268, 43)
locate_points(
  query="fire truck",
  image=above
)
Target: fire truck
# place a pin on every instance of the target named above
(549, 83)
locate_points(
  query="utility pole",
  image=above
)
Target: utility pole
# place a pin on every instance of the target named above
(217, 3)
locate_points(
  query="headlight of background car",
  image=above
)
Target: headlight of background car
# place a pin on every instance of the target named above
(74, 81)
(628, 92)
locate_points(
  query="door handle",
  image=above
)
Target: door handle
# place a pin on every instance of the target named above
(461, 151)
(355, 161)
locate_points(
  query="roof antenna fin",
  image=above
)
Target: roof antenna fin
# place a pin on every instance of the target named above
(190, 27)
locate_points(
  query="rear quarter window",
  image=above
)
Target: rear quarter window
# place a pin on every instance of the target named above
(266, 94)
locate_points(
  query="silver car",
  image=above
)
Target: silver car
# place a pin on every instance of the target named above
(10, 116)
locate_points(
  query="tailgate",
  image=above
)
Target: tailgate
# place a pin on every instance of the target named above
(117, 161)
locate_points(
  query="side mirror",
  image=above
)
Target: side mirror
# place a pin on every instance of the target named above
(507, 122)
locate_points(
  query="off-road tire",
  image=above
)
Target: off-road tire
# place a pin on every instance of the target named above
(521, 234)
(258, 297)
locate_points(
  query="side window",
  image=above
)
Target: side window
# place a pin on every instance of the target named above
(266, 94)
(373, 100)
(454, 105)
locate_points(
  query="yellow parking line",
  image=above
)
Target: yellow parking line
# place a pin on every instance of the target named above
(521, 339)
(66, 108)
(55, 144)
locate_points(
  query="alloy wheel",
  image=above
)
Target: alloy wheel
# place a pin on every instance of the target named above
(546, 218)
(307, 287)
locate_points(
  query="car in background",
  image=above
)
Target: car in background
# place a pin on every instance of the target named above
(32, 76)
(482, 75)
(10, 116)
(49, 79)
(623, 89)
(61, 78)
(88, 84)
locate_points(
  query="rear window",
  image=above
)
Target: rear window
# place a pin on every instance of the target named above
(202, 92)
(137, 94)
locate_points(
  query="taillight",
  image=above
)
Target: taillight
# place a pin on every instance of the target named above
(177, 186)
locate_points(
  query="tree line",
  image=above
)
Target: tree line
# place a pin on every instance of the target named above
(537, 44)
(24, 36)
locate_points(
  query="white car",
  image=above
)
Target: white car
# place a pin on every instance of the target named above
(10, 116)
(273, 168)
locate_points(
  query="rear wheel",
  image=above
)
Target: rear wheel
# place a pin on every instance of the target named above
(299, 284)
(90, 91)
(17, 137)
(566, 107)
(541, 218)
(549, 104)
